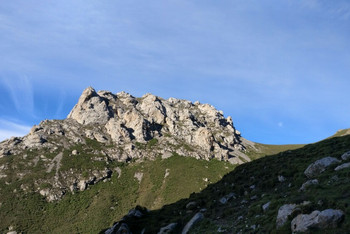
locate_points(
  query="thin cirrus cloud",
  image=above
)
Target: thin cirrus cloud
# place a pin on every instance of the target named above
(20, 92)
(9, 129)
(262, 62)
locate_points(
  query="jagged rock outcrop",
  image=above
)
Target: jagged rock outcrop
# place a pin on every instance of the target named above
(317, 220)
(342, 166)
(196, 130)
(319, 166)
(283, 213)
(168, 229)
(121, 226)
(196, 218)
(346, 156)
(104, 127)
(178, 122)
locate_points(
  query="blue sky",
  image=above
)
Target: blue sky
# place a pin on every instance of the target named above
(279, 68)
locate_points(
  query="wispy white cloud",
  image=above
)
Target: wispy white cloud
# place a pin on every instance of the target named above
(275, 58)
(21, 92)
(9, 129)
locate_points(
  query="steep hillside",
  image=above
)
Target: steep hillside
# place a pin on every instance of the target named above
(65, 156)
(148, 183)
(113, 152)
(301, 190)
(342, 132)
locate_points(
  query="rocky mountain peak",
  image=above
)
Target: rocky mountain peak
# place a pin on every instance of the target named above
(91, 108)
(178, 126)
(127, 119)
(104, 128)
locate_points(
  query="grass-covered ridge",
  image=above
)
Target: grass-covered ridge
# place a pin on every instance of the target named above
(255, 184)
(261, 150)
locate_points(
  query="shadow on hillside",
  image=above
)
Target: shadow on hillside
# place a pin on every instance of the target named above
(256, 177)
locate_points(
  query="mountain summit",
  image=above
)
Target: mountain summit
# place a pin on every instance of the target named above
(103, 128)
(192, 129)
(114, 155)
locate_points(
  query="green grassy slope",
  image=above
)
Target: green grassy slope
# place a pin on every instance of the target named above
(342, 132)
(262, 150)
(103, 203)
(96, 208)
(255, 184)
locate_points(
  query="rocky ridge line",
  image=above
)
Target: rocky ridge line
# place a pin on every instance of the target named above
(127, 119)
(105, 127)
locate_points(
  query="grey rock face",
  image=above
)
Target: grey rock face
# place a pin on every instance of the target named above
(138, 176)
(126, 118)
(120, 127)
(168, 229)
(135, 213)
(283, 214)
(342, 166)
(196, 218)
(319, 166)
(317, 220)
(346, 156)
(123, 229)
(226, 198)
(112, 229)
(308, 184)
(196, 130)
(266, 206)
(91, 108)
(281, 178)
(191, 205)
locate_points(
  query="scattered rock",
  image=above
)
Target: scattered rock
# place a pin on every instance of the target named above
(138, 176)
(346, 156)
(135, 213)
(307, 184)
(168, 229)
(167, 173)
(319, 166)
(226, 198)
(101, 119)
(123, 229)
(112, 229)
(283, 213)
(266, 206)
(166, 155)
(342, 166)
(119, 171)
(221, 230)
(191, 205)
(317, 220)
(281, 178)
(333, 179)
(196, 218)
